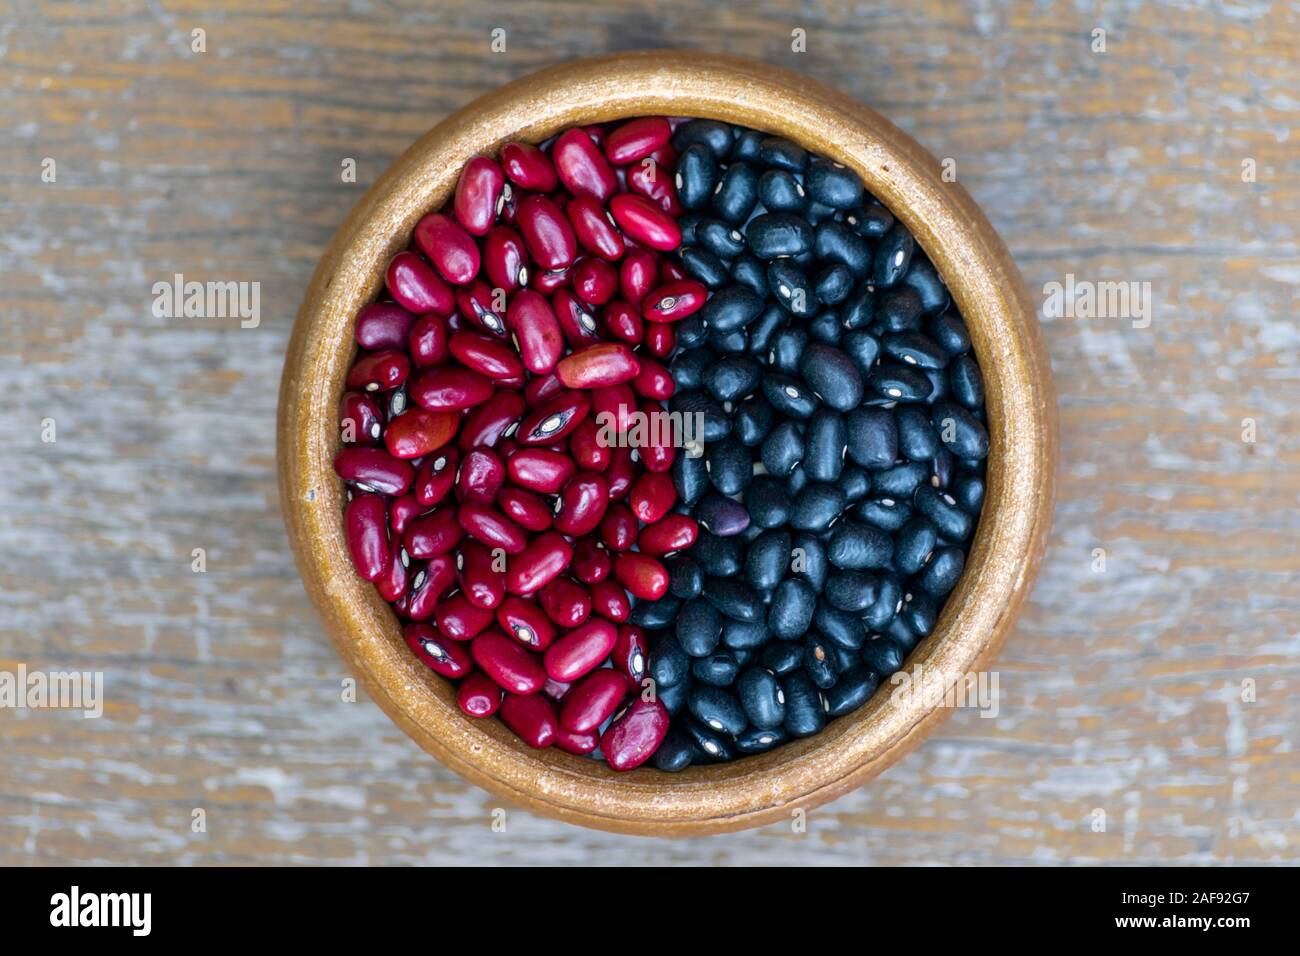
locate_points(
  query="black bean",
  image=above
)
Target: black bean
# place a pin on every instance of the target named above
(826, 328)
(914, 348)
(653, 615)
(691, 332)
(674, 753)
(854, 482)
(941, 573)
(873, 437)
(925, 280)
(689, 365)
(748, 145)
(843, 659)
(832, 285)
(732, 377)
(763, 331)
(717, 556)
(768, 559)
(959, 430)
(754, 420)
(893, 256)
(808, 560)
(796, 483)
(863, 348)
(950, 332)
(851, 590)
(782, 449)
(720, 515)
(781, 657)
(833, 375)
(889, 598)
(899, 309)
(913, 544)
(736, 194)
(716, 422)
(744, 635)
(825, 445)
(840, 627)
(965, 382)
(837, 243)
(898, 383)
(969, 494)
(717, 709)
(757, 741)
(750, 272)
(817, 507)
(901, 633)
(791, 610)
(732, 308)
(872, 221)
(722, 239)
(761, 698)
(780, 153)
(859, 309)
(788, 348)
(690, 478)
(669, 664)
(718, 669)
(850, 692)
(919, 611)
(699, 627)
(859, 547)
(711, 744)
(887, 514)
(701, 264)
(734, 599)
(674, 698)
(697, 176)
(788, 396)
(883, 656)
(917, 439)
(687, 223)
(901, 480)
(791, 287)
(776, 234)
(832, 184)
(781, 192)
(685, 579)
(819, 661)
(718, 137)
(731, 340)
(805, 713)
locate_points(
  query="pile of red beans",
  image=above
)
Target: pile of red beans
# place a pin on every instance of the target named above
(485, 501)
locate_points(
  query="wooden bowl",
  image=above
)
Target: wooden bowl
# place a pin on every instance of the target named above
(984, 283)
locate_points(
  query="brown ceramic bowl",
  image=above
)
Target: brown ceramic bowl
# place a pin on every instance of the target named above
(984, 283)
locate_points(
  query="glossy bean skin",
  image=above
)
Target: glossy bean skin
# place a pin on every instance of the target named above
(445, 657)
(547, 233)
(636, 139)
(366, 528)
(507, 663)
(635, 734)
(525, 622)
(484, 523)
(451, 249)
(532, 718)
(417, 287)
(540, 469)
(554, 419)
(479, 195)
(582, 167)
(542, 560)
(528, 167)
(593, 229)
(599, 366)
(592, 700)
(418, 432)
(580, 651)
(478, 695)
(565, 602)
(374, 469)
(641, 220)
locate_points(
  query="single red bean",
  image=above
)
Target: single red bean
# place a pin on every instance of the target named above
(652, 178)
(479, 195)
(582, 504)
(641, 574)
(599, 366)
(660, 339)
(543, 560)
(582, 167)
(636, 139)
(478, 695)
(436, 476)
(532, 718)
(488, 423)
(591, 562)
(594, 228)
(379, 371)
(614, 409)
(576, 321)
(655, 446)
(565, 602)
(675, 301)
(542, 387)
(595, 281)
(631, 655)
(433, 534)
(635, 734)
(461, 619)
(441, 655)
(618, 528)
(539, 469)
(480, 581)
(652, 496)
(526, 623)
(643, 221)
(484, 523)
(482, 306)
(586, 447)
(416, 287)
(486, 355)
(428, 341)
(482, 473)
(505, 259)
(417, 432)
(670, 271)
(620, 474)
(429, 584)
(536, 331)
(672, 533)
(383, 325)
(451, 249)
(394, 583)
(653, 381)
(580, 651)
(547, 281)
(638, 274)
(610, 601)
(373, 469)
(360, 420)
(547, 233)
(365, 524)
(449, 389)
(507, 663)
(524, 508)
(528, 167)
(554, 419)
(622, 321)
(579, 744)
(593, 700)
(402, 511)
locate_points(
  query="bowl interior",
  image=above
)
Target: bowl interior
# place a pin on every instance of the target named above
(984, 284)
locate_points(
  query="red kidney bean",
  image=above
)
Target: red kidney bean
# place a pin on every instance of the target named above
(428, 341)
(582, 167)
(536, 331)
(599, 366)
(478, 695)
(586, 448)
(481, 476)
(383, 325)
(582, 504)
(670, 271)
(653, 381)
(505, 259)
(486, 355)
(448, 389)
(592, 700)
(416, 287)
(609, 600)
(539, 469)
(451, 249)
(596, 131)
(591, 562)
(675, 301)
(528, 167)
(593, 227)
(553, 419)
(433, 534)
(373, 469)
(652, 178)
(379, 371)
(656, 447)
(576, 322)
(417, 432)
(641, 574)
(479, 195)
(488, 423)
(622, 321)
(461, 619)
(546, 282)
(507, 663)
(631, 655)
(580, 651)
(480, 581)
(556, 689)
(441, 655)
(614, 407)
(365, 524)
(660, 339)
(547, 233)
(429, 584)
(481, 306)
(526, 623)
(541, 388)
(618, 528)
(643, 221)
(360, 420)
(672, 533)
(436, 476)
(579, 744)
(393, 584)
(620, 474)
(652, 496)
(565, 602)
(484, 523)
(524, 508)
(402, 511)
(638, 274)
(532, 718)
(636, 139)
(635, 734)
(595, 281)
(543, 560)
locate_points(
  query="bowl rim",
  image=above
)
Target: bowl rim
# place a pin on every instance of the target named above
(985, 284)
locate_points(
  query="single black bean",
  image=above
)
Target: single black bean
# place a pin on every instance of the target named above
(901, 633)
(914, 348)
(833, 375)
(819, 661)
(796, 483)
(732, 308)
(826, 329)
(674, 698)
(674, 753)
(757, 741)
(950, 332)
(825, 445)
(863, 348)
(763, 331)
(788, 396)
(832, 285)
(716, 422)
(966, 382)
(893, 256)
(859, 547)
(788, 348)
(776, 234)
(718, 556)
(832, 184)
(780, 153)
(718, 137)
(781, 657)
(713, 745)
(968, 492)
(731, 340)
(818, 506)
(691, 332)
(697, 175)
(689, 365)
(779, 191)
(653, 615)
(690, 478)
(721, 516)
(699, 627)
(901, 480)
(919, 611)
(899, 309)
(734, 599)
(736, 194)
(961, 431)
(898, 383)
(808, 560)
(852, 590)
(917, 438)
(748, 144)
(850, 692)
(782, 449)
(914, 543)
(767, 502)
(873, 437)
(752, 272)
(791, 610)
(883, 656)
(718, 669)
(732, 377)
(840, 627)
(716, 709)
(761, 697)
(925, 280)
(703, 265)
(685, 579)
(854, 482)
(805, 712)
(687, 222)
(872, 221)
(888, 603)
(744, 635)
(887, 514)
(722, 239)
(859, 309)
(941, 573)
(791, 287)
(753, 422)
(837, 243)
(768, 559)
(669, 664)
(942, 466)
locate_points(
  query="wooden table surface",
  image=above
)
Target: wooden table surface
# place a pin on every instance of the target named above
(1122, 689)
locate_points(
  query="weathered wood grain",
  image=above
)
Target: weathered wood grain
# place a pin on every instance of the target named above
(1121, 689)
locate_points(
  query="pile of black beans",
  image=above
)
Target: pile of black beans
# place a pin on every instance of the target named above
(844, 448)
